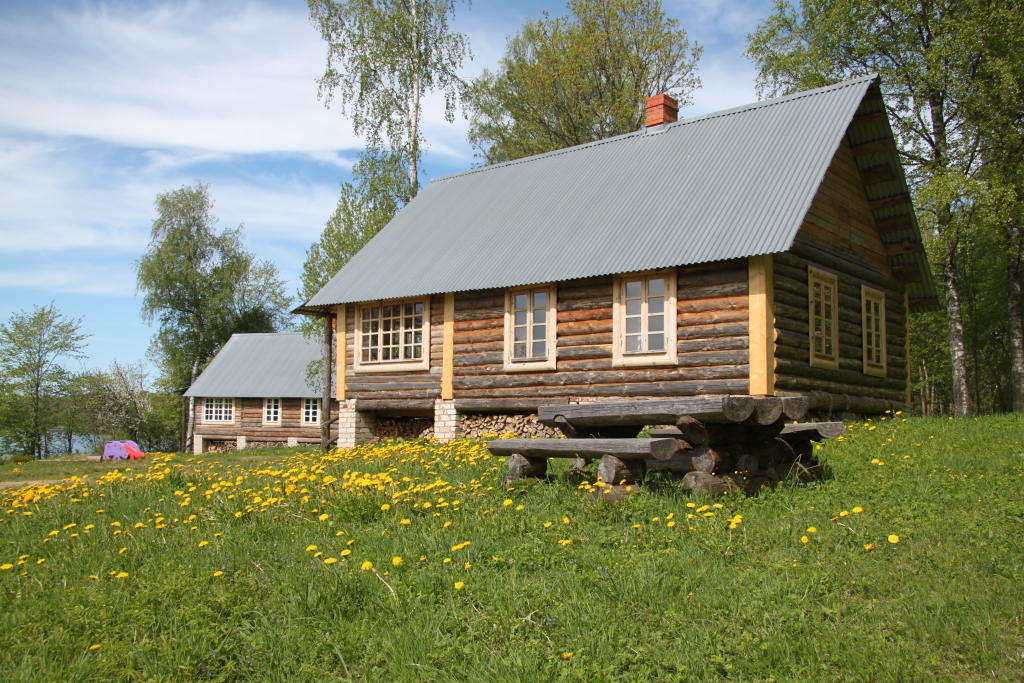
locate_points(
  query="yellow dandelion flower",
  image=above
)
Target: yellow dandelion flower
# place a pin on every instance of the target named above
(718, 506)
(41, 560)
(893, 538)
(385, 507)
(140, 525)
(318, 554)
(120, 575)
(564, 542)
(691, 505)
(520, 507)
(115, 524)
(733, 525)
(122, 551)
(547, 524)
(804, 539)
(709, 514)
(671, 516)
(459, 585)
(812, 529)
(567, 655)
(405, 522)
(467, 566)
(91, 576)
(858, 510)
(95, 647)
(6, 566)
(68, 526)
(202, 543)
(844, 513)
(446, 525)
(565, 520)
(396, 561)
(869, 546)
(311, 548)
(323, 517)
(218, 573)
(346, 552)
(330, 560)
(506, 502)
(670, 525)
(446, 560)
(366, 566)
(655, 519)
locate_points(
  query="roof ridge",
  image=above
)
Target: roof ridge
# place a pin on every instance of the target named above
(643, 131)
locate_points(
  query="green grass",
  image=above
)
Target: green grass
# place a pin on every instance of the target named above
(630, 598)
(65, 467)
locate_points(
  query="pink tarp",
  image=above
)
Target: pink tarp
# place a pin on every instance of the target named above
(122, 450)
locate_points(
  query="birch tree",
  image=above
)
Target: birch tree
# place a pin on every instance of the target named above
(383, 57)
(201, 285)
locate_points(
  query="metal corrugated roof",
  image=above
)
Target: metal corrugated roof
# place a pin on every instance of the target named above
(730, 184)
(259, 366)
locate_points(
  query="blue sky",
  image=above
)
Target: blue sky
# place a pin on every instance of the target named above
(105, 104)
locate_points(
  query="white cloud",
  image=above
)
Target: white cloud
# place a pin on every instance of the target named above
(227, 76)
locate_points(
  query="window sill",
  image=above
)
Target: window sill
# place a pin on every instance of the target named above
(531, 366)
(824, 363)
(875, 371)
(643, 360)
(385, 368)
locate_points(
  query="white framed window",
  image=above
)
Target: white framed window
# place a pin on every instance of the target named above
(873, 324)
(393, 336)
(310, 411)
(644, 319)
(271, 411)
(530, 320)
(219, 410)
(823, 311)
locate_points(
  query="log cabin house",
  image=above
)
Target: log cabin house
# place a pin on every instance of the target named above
(254, 391)
(770, 249)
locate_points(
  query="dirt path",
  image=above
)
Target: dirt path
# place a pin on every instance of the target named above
(32, 482)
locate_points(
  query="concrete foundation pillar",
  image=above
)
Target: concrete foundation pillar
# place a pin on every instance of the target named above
(446, 420)
(293, 441)
(240, 443)
(354, 426)
(197, 445)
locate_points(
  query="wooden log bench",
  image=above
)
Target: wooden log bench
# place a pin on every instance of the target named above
(745, 437)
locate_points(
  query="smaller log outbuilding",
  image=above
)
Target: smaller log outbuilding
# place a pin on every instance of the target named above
(255, 392)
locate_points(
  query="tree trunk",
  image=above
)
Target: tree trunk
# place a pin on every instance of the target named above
(957, 350)
(414, 105)
(191, 432)
(1014, 317)
(325, 381)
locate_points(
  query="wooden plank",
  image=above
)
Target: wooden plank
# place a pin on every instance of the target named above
(641, 412)
(889, 202)
(374, 405)
(762, 317)
(485, 405)
(448, 348)
(868, 118)
(878, 174)
(625, 449)
(873, 146)
(638, 376)
(910, 272)
(900, 223)
(813, 431)
(905, 246)
(660, 389)
(340, 355)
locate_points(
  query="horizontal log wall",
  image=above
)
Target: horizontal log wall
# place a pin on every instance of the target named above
(712, 345)
(847, 388)
(407, 386)
(249, 422)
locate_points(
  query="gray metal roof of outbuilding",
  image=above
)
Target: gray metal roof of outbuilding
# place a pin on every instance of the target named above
(730, 184)
(271, 365)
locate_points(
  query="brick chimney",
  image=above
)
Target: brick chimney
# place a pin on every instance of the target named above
(661, 109)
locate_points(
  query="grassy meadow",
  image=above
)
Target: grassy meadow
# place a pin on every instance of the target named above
(409, 561)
